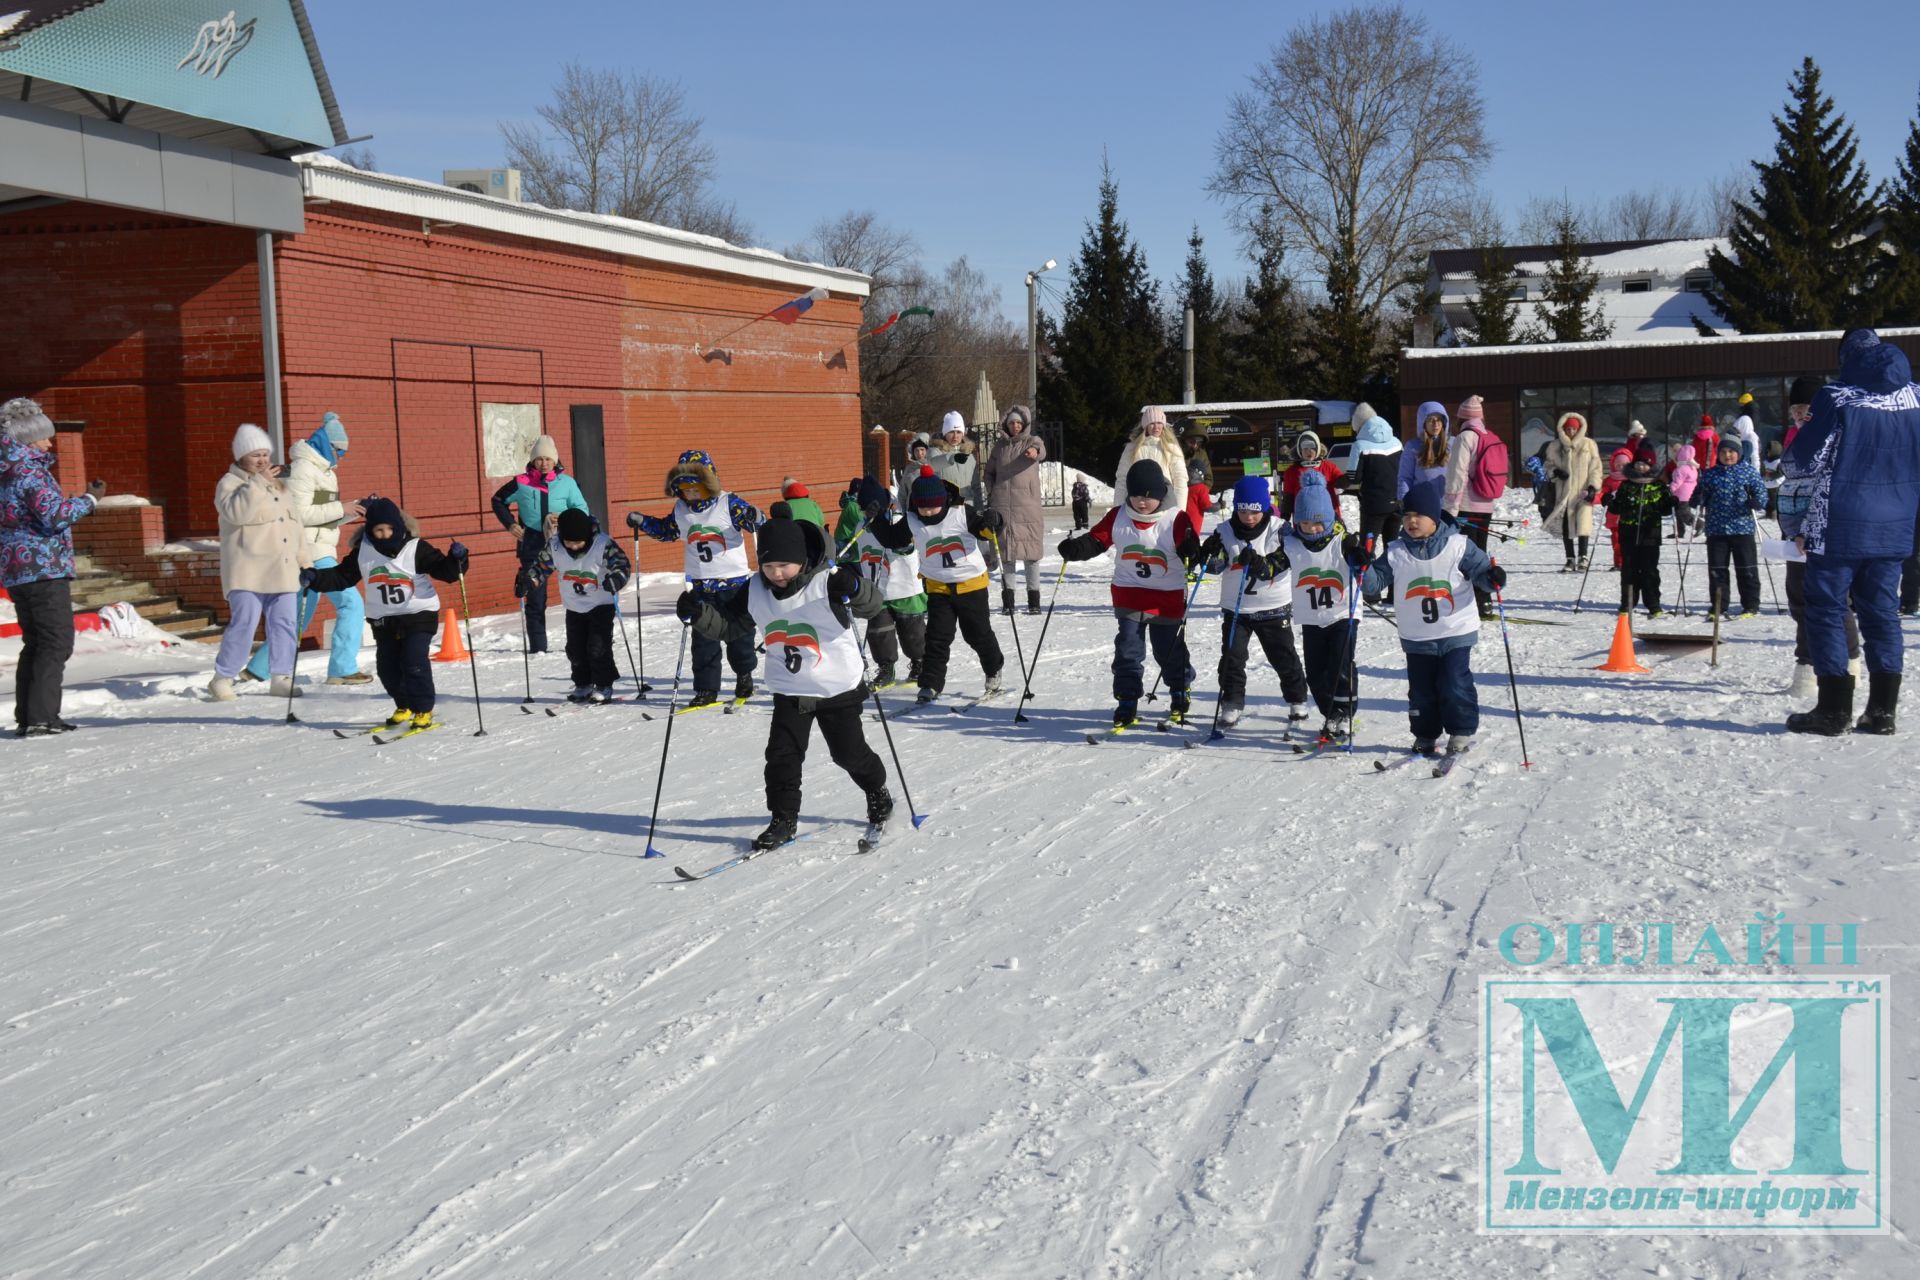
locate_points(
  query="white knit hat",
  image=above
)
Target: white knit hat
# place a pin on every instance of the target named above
(952, 422)
(250, 439)
(544, 447)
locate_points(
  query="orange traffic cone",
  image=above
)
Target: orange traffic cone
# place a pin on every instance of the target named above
(1620, 656)
(452, 647)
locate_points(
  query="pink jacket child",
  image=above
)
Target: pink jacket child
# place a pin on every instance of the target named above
(1681, 484)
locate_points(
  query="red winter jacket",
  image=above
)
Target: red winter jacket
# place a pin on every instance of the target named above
(1169, 604)
(1290, 483)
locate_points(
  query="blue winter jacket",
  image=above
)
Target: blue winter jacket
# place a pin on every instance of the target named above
(36, 519)
(1474, 564)
(1731, 494)
(532, 504)
(1861, 452)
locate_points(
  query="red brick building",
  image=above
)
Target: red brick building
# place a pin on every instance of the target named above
(445, 327)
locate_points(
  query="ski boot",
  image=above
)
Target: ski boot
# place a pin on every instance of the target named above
(992, 686)
(1426, 747)
(1296, 712)
(913, 672)
(883, 675)
(927, 694)
(1179, 702)
(1230, 713)
(879, 806)
(1459, 744)
(780, 830)
(703, 698)
(1830, 715)
(1125, 712)
(423, 719)
(1033, 603)
(600, 695)
(580, 693)
(399, 717)
(743, 688)
(1883, 693)
(1337, 729)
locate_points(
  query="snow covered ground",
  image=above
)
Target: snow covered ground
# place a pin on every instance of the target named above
(276, 1004)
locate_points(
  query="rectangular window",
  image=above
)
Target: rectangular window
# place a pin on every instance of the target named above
(1518, 291)
(1699, 281)
(1636, 286)
(1572, 397)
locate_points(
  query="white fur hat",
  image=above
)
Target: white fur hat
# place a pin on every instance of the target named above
(250, 439)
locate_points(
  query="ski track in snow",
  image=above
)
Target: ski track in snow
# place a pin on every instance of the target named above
(278, 1005)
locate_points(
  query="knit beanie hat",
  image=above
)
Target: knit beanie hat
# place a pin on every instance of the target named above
(1145, 479)
(24, 421)
(794, 489)
(1804, 388)
(1422, 499)
(1638, 428)
(1314, 502)
(1730, 444)
(1252, 493)
(1472, 409)
(544, 447)
(928, 489)
(1706, 420)
(782, 541)
(952, 422)
(250, 439)
(1644, 453)
(575, 525)
(336, 431)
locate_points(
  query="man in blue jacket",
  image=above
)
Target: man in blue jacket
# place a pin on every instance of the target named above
(1861, 452)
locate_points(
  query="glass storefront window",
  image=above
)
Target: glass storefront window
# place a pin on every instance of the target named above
(1566, 398)
(1724, 389)
(1683, 419)
(1608, 427)
(1616, 394)
(1685, 391)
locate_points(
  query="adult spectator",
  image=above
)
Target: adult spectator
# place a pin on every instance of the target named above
(1861, 450)
(36, 562)
(1013, 487)
(918, 450)
(263, 548)
(1425, 456)
(1199, 495)
(315, 489)
(1474, 514)
(1152, 440)
(952, 460)
(1573, 467)
(1377, 476)
(537, 497)
(1793, 494)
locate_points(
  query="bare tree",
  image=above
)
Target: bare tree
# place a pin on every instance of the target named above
(1364, 132)
(859, 240)
(1541, 218)
(1719, 197)
(1480, 223)
(357, 157)
(615, 142)
(1655, 214)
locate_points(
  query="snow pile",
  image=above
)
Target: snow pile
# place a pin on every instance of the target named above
(1098, 494)
(277, 1004)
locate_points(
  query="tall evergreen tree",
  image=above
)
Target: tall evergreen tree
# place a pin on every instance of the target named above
(1263, 348)
(1494, 314)
(1110, 349)
(1197, 290)
(1568, 310)
(1343, 334)
(1802, 257)
(1900, 288)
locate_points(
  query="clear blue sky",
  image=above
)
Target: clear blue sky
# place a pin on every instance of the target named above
(979, 127)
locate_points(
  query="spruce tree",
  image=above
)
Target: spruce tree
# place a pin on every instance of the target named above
(1343, 334)
(1263, 350)
(1494, 314)
(1110, 348)
(1568, 310)
(1802, 258)
(1197, 290)
(1899, 290)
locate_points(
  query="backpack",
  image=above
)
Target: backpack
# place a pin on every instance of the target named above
(1488, 478)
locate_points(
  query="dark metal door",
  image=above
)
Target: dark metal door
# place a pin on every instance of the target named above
(590, 457)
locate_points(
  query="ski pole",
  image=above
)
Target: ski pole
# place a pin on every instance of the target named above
(860, 641)
(1513, 681)
(1777, 606)
(1226, 654)
(1680, 554)
(660, 781)
(299, 603)
(526, 648)
(639, 617)
(1353, 639)
(473, 663)
(621, 618)
(1017, 653)
(1153, 694)
(1582, 594)
(1020, 711)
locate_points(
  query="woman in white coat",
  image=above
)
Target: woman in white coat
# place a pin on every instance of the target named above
(1573, 465)
(262, 551)
(1153, 440)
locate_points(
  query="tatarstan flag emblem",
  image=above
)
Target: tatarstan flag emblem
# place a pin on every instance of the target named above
(794, 635)
(950, 546)
(707, 533)
(1145, 555)
(386, 573)
(1431, 588)
(1312, 578)
(580, 576)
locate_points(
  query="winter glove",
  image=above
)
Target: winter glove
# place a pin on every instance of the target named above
(872, 497)
(1246, 558)
(633, 520)
(1083, 547)
(308, 577)
(687, 607)
(1497, 578)
(843, 582)
(1188, 551)
(1269, 567)
(1587, 494)
(458, 554)
(521, 586)
(613, 582)
(97, 490)
(993, 521)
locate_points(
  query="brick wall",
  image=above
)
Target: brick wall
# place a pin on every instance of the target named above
(148, 328)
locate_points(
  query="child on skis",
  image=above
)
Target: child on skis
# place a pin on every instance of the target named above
(1433, 565)
(1638, 510)
(714, 525)
(803, 606)
(1731, 492)
(1324, 557)
(945, 533)
(903, 624)
(592, 570)
(1256, 596)
(1154, 544)
(399, 569)
(1682, 476)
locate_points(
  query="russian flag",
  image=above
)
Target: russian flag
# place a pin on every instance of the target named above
(788, 312)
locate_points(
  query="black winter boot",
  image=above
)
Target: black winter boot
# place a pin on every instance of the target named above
(1033, 601)
(779, 831)
(1006, 601)
(1830, 715)
(879, 805)
(1883, 692)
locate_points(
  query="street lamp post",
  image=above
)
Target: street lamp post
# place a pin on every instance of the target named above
(1033, 338)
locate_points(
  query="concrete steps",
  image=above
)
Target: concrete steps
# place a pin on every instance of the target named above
(95, 587)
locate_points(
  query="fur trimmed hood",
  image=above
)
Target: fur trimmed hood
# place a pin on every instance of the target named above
(697, 466)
